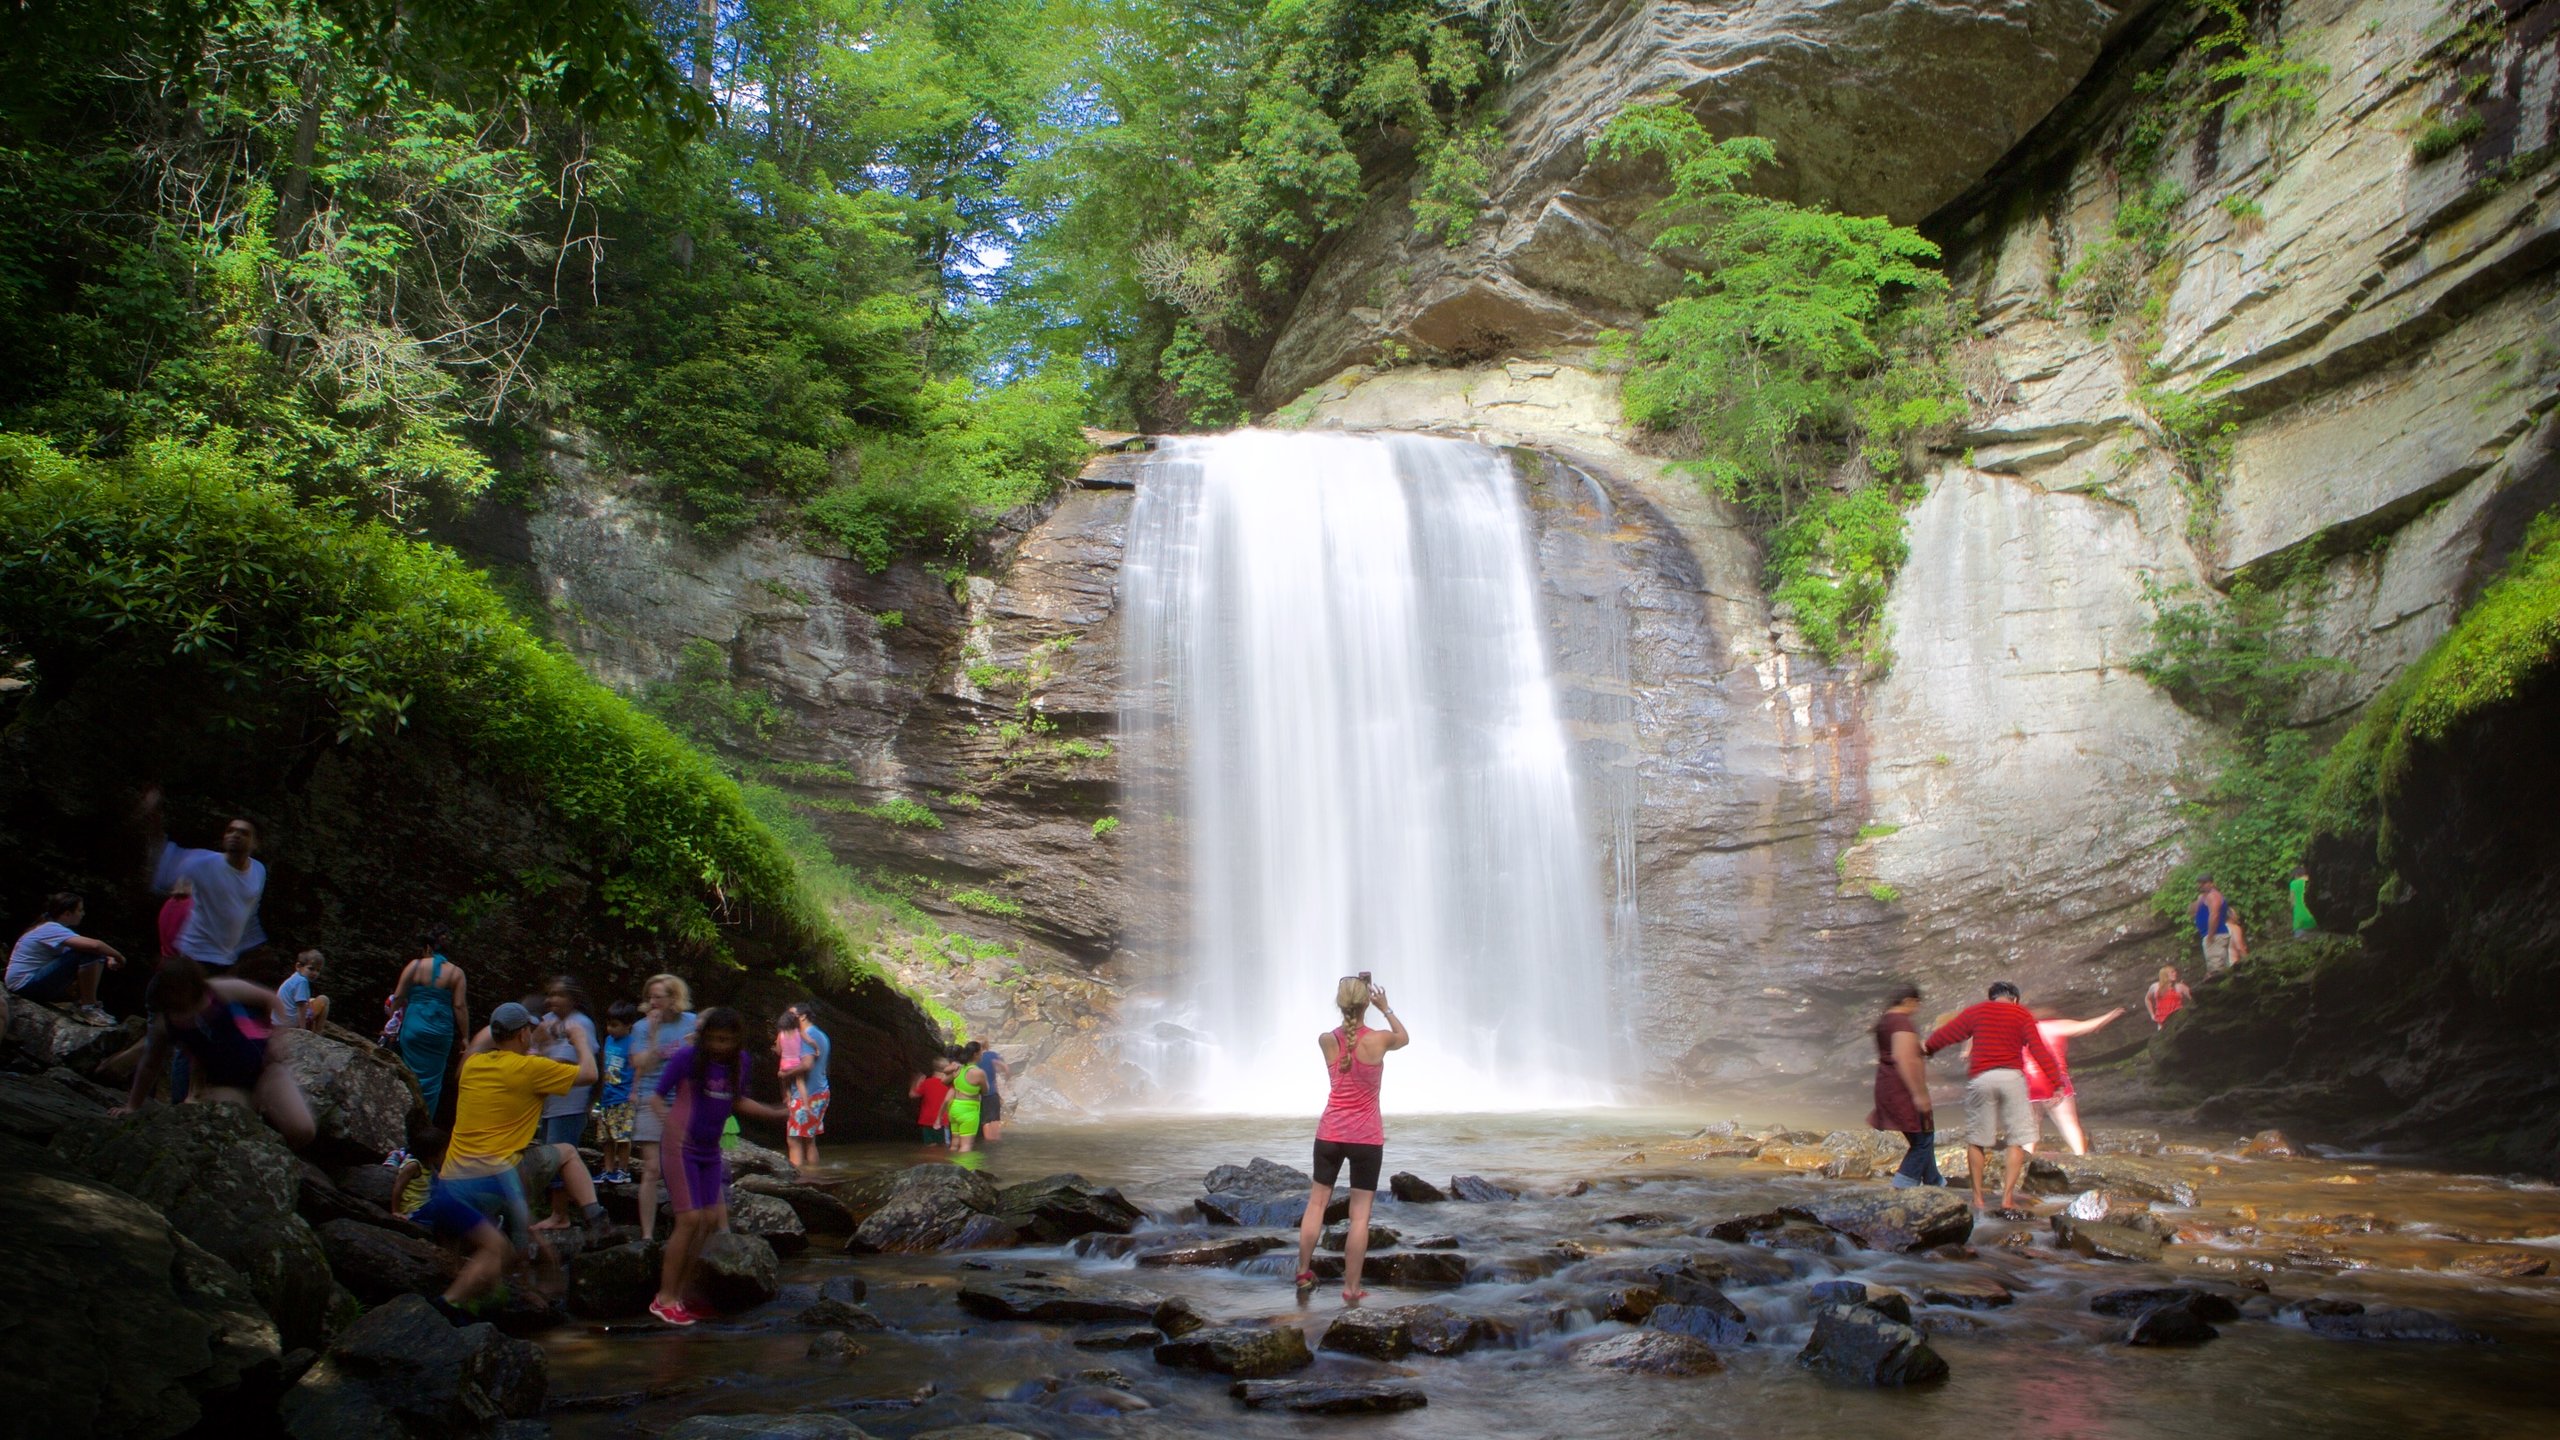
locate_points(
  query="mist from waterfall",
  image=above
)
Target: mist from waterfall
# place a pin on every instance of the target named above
(1343, 750)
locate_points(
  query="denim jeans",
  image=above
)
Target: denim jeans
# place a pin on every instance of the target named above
(1921, 1162)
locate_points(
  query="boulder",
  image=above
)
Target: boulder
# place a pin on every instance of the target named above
(1650, 1352)
(851, 1289)
(929, 1208)
(1377, 1334)
(973, 1432)
(1967, 1294)
(1721, 1323)
(1736, 1229)
(737, 1272)
(403, 1370)
(771, 1427)
(836, 1345)
(51, 1037)
(1058, 1298)
(2135, 1299)
(2100, 1205)
(1210, 1252)
(2101, 1241)
(2173, 1324)
(1248, 1352)
(2268, 1145)
(1273, 1210)
(1478, 1189)
(2352, 1320)
(838, 1315)
(1259, 1177)
(1626, 1304)
(375, 1185)
(1884, 1300)
(36, 1108)
(1338, 1238)
(1331, 1397)
(1799, 1235)
(616, 1281)
(1176, 1317)
(820, 1212)
(230, 1185)
(319, 1200)
(745, 1157)
(1858, 1345)
(2119, 1174)
(376, 1264)
(2502, 1264)
(1416, 1267)
(1886, 1219)
(1116, 1337)
(768, 1218)
(362, 1099)
(1062, 1207)
(119, 1325)
(1412, 1189)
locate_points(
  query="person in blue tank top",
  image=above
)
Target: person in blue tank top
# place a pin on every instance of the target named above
(435, 1008)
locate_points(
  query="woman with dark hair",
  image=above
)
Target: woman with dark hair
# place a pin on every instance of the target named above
(220, 1025)
(434, 1000)
(968, 1099)
(1351, 1129)
(1902, 1090)
(698, 1088)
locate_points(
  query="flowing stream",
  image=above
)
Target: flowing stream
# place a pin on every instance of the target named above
(1347, 746)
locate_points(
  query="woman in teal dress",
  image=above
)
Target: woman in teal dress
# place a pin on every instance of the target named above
(435, 1007)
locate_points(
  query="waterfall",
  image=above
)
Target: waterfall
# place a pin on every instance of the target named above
(1344, 754)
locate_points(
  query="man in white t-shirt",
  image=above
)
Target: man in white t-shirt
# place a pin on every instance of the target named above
(228, 884)
(54, 963)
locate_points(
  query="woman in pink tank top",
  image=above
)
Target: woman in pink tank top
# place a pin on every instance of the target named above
(1355, 1060)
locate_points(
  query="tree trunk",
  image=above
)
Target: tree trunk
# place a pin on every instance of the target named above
(706, 35)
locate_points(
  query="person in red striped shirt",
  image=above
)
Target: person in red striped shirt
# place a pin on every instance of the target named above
(1996, 1108)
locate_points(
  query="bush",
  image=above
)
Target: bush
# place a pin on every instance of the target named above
(312, 621)
(981, 453)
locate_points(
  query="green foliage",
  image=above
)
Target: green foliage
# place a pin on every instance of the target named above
(1877, 831)
(979, 902)
(2241, 659)
(2105, 280)
(1882, 893)
(975, 456)
(2200, 427)
(1808, 339)
(703, 704)
(1202, 378)
(2249, 829)
(909, 814)
(1106, 825)
(1455, 172)
(2243, 207)
(2443, 137)
(2249, 79)
(312, 621)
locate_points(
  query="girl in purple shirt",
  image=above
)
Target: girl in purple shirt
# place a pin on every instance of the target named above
(700, 1086)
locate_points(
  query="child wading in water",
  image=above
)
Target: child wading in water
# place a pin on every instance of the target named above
(699, 1088)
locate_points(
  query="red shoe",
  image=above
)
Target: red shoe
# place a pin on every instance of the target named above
(674, 1314)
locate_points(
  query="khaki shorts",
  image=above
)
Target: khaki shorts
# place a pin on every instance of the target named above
(1996, 1109)
(2217, 953)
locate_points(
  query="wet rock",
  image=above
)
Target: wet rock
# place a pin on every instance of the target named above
(229, 1184)
(2502, 1265)
(1249, 1352)
(768, 1218)
(1478, 1189)
(2172, 1324)
(1736, 1229)
(1380, 1238)
(1646, 1220)
(120, 1326)
(1417, 1267)
(926, 1209)
(1858, 1345)
(52, 1037)
(1100, 1246)
(1377, 1334)
(2120, 1174)
(2352, 1320)
(618, 1280)
(1062, 1207)
(319, 1200)
(1913, 1219)
(1211, 1252)
(1258, 1177)
(1412, 1189)
(837, 1315)
(2135, 1299)
(770, 1427)
(1799, 1235)
(2100, 1205)
(737, 1272)
(1884, 1300)
(745, 1157)
(1627, 1304)
(1057, 1299)
(1967, 1294)
(1650, 1352)
(1176, 1317)
(403, 1370)
(836, 1345)
(973, 1432)
(1331, 1397)
(1719, 1323)
(851, 1289)
(2268, 1145)
(1116, 1337)
(376, 1264)
(362, 1099)
(2101, 1241)
(1268, 1211)
(35, 1108)
(819, 1209)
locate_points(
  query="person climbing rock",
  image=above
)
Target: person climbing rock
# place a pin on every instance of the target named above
(221, 1025)
(2213, 927)
(2052, 1089)
(1902, 1091)
(226, 887)
(1350, 1131)
(2166, 997)
(1997, 1112)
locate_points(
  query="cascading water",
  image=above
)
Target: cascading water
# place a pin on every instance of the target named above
(1344, 739)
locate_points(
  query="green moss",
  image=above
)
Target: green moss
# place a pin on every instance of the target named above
(981, 903)
(1877, 831)
(1105, 826)
(1882, 893)
(2442, 137)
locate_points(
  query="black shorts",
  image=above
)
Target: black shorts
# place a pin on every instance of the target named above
(1364, 1163)
(991, 1109)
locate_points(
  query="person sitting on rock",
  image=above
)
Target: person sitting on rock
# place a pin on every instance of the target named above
(302, 1009)
(2166, 997)
(1996, 1108)
(497, 1107)
(54, 963)
(221, 1026)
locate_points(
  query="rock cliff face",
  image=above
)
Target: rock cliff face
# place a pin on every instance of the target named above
(2375, 309)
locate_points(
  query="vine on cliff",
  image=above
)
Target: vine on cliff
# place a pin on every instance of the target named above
(1811, 354)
